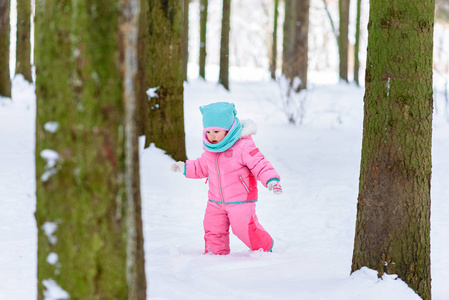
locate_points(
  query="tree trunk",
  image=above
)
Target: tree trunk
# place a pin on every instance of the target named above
(23, 48)
(393, 211)
(165, 124)
(185, 38)
(224, 46)
(274, 51)
(301, 49)
(289, 38)
(5, 77)
(343, 41)
(357, 43)
(88, 213)
(142, 103)
(203, 24)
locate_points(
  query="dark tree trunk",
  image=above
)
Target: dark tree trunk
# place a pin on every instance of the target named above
(203, 25)
(23, 48)
(393, 211)
(357, 43)
(301, 49)
(224, 47)
(296, 46)
(274, 49)
(289, 38)
(185, 38)
(88, 212)
(343, 41)
(5, 77)
(165, 123)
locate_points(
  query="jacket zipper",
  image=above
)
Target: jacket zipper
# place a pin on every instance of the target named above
(244, 184)
(219, 180)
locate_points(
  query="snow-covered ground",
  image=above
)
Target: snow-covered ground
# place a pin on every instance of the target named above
(312, 222)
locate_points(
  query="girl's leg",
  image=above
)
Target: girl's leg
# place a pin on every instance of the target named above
(246, 227)
(216, 229)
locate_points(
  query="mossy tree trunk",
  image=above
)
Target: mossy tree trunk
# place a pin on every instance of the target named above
(393, 211)
(274, 49)
(357, 43)
(165, 122)
(23, 48)
(343, 42)
(203, 27)
(5, 79)
(224, 45)
(88, 212)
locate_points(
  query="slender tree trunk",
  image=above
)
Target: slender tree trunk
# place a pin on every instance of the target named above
(142, 103)
(274, 48)
(23, 48)
(165, 123)
(129, 20)
(5, 79)
(393, 211)
(203, 25)
(301, 49)
(357, 43)
(185, 38)
(289, 38)
(343, 41)
(224, 47)
(88, 213)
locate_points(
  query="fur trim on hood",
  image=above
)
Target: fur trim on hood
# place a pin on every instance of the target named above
(248, 128)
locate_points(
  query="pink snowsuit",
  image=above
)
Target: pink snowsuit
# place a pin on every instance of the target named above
(232, 177)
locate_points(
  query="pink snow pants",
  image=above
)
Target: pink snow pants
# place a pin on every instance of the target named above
(243, 221)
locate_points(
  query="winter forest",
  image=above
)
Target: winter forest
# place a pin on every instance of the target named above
(100, 99)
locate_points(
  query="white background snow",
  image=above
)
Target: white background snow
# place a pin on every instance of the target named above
(312, 222)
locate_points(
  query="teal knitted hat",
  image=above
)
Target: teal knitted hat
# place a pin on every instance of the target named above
(218, 115)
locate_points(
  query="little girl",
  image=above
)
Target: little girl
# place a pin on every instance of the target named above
(232, 164)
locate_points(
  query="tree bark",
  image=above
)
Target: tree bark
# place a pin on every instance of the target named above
(274, 52)
(165, 122)
(343, 41)
(289, 38)
(5, 77)
(90, 241)
(23, 48)
(203, 27)
(142, 103)
(393, 211)
(301, 48)
(185, 38)
(224, 47)
(357, 43)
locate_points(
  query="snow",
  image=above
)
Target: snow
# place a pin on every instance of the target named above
(53, 291)
(312, 222)
(49, 229)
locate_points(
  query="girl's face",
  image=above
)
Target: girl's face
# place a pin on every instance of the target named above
(215, 136)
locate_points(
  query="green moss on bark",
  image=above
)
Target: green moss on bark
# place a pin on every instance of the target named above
(79, 86)
(165, 122)
(393, 211)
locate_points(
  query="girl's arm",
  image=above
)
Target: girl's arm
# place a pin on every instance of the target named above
(259, 166)
(197, 168)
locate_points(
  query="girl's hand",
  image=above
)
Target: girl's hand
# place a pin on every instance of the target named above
(178, 167)
(275, 187)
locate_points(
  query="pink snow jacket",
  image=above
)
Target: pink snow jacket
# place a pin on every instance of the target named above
(233, 174)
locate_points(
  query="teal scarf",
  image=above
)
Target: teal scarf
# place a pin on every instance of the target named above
(229, 140)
